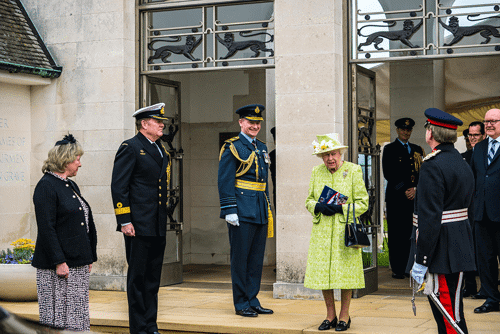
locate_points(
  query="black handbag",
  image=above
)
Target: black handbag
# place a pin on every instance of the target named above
(355, 232)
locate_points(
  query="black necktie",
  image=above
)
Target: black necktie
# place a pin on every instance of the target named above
(157, 149)
(254, 144)
(406, 147)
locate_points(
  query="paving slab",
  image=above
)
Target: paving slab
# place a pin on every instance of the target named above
(201, 306)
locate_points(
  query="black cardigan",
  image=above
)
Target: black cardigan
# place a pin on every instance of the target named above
(62, 234)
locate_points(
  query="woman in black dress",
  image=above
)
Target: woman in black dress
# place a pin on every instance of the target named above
(66, 241)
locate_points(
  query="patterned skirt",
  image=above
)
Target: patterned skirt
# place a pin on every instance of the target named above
(64, 302)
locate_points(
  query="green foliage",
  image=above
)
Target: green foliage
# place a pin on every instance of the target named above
(382, 255)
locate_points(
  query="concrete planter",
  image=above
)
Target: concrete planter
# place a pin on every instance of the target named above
(17, 282)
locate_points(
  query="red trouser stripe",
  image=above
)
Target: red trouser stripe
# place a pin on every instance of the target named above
(445, 299)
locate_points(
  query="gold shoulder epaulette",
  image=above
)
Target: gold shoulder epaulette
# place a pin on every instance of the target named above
(431, 155)
(124, 144)
(227, 141)
(263, 142)
(232, 139)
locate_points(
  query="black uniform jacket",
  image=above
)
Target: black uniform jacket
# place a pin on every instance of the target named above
(139, 186)
(250, 205)
(467, 155)
(446, 183)
(400, 168)
(62, 233)
(487, 182)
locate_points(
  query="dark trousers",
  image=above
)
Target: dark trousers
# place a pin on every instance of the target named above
(470, 276)
(248, 243)
(400, 225)
(488, 252)
(450, 293)
(144, 258)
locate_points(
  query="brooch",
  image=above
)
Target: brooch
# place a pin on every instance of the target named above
(345, 173)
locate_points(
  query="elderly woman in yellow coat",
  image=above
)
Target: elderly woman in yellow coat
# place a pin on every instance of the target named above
(331, 265)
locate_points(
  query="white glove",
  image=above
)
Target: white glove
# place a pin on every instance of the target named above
(418, 272)
(233, 219)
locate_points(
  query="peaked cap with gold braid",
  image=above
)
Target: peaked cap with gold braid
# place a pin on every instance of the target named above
(252, 112)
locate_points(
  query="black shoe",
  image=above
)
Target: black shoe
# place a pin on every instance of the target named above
(155, 332)
(468, 292)
(261, 310)
(247, 312)
(479, 296)
(487, 307)
(326, 324)
(342, 326)
(398, 276)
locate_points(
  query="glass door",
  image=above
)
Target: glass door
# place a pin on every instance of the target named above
(155, 91)
(366, 152)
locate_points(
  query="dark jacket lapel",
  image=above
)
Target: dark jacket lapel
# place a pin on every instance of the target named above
(494, 163)
(150, 148)
(246, 142)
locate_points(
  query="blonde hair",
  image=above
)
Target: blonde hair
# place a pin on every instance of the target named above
(60, 156)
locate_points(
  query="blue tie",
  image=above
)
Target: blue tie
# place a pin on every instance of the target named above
(493, 150)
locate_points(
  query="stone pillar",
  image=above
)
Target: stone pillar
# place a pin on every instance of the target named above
(94, 42)
(309, 101)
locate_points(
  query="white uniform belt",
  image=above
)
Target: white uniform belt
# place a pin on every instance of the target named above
(448, 216)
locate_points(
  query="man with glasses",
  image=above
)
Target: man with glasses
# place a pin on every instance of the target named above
(476, 132)
(486, 168)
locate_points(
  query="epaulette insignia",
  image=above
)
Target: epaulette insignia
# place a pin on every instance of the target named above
(232, 139)
(431, 155)
(124, 144)
(261, 141)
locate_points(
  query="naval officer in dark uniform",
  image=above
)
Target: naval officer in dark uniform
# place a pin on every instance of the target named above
(139, 184)
(244, 202)
(443, 237)
(401, 162)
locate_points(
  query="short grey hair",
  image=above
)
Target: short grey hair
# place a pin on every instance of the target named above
(138, 123)
(442, 135)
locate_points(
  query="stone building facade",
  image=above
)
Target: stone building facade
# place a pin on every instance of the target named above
(306, 91)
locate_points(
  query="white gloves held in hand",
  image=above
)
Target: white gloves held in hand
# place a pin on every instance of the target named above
(233, 219)
(418, 272)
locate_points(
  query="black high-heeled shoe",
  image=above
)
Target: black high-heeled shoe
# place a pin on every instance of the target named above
(325, 325)
(342, 326)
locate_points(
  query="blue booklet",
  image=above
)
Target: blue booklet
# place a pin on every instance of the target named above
(329, 196)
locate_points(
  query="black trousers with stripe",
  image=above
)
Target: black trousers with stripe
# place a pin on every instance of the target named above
(450, 296)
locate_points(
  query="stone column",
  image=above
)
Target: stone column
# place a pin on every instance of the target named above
(309, 101)
(94, 42)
